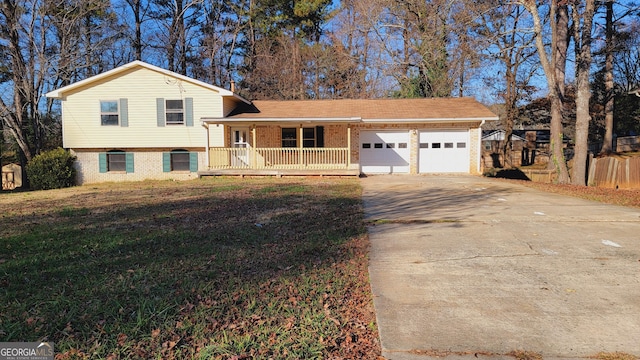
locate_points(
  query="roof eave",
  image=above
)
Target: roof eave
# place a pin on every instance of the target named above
(427, 120)
(218, 120)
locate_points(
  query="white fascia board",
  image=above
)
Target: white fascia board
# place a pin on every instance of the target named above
(428, 120)
(280, 120)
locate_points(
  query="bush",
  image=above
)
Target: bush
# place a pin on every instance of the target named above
(51, 170)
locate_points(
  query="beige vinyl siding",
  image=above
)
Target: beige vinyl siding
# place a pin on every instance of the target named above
(216, 135)
(141, 86)
(230, 104)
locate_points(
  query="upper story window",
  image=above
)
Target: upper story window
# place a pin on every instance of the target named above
(109, 114)
(174, 110)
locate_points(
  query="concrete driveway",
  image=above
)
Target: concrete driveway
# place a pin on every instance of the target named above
(469, 267)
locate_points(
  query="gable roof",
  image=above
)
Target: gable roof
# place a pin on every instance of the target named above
(364, 110)
(59, 93)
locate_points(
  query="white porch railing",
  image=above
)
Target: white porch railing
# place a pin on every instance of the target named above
(279, 158)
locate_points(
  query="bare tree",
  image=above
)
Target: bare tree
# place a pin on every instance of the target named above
(554, 66)
(175, 18)
(582, 15)
(82, 33)
(355, 28)
(607, 141)
(219, 47)
(139, 10)
(22, 32)
(505, 27)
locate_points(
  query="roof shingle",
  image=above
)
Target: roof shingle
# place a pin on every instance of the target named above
(379, 109)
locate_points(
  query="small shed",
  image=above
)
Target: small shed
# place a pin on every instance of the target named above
(11, 176)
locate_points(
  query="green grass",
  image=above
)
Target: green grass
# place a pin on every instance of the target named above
(70, 211)
(217, 268)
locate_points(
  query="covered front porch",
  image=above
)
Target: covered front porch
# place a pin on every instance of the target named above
(282, 147)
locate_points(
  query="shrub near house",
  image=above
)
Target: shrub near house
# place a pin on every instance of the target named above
(51, 170)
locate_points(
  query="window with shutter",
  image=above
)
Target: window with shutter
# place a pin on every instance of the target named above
(174, 110)
(180, 160)
(124, 112)
(116, 161)
(109, 114)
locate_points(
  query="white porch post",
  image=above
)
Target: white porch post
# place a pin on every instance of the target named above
(300, 138)
(206, 154)
(348, 146)
(253, 146)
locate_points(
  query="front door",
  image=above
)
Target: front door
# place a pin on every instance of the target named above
(240, 143)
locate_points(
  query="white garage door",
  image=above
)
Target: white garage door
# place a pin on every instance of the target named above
(384, 152)
(443, 151)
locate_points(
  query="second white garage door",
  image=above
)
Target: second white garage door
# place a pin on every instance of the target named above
(384, 152)
(444, 151)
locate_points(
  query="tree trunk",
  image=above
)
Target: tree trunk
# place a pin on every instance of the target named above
(510, 115)
(560, 36)
(582, 39)
(554, 68)
(136, 7)
(607, 142)
(16, 115)
(182, 39)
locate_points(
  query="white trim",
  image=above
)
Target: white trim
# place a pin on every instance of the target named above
(428, 120)
(208, 120)
(211, 120)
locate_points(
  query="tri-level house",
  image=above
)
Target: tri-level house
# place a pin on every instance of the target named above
(139, 121)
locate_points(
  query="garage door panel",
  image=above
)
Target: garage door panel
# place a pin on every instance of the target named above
(384, 152)
(444, 151)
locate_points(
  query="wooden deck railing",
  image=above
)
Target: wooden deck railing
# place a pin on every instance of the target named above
(278, 158)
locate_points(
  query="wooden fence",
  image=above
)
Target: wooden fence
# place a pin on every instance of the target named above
(615, 172)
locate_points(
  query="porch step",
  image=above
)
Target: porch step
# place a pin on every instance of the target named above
(278, 173)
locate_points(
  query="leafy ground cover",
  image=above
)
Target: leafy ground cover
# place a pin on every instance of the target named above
(623, 197)
(222, 268)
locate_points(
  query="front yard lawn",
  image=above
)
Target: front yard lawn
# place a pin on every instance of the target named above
(221, 268)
